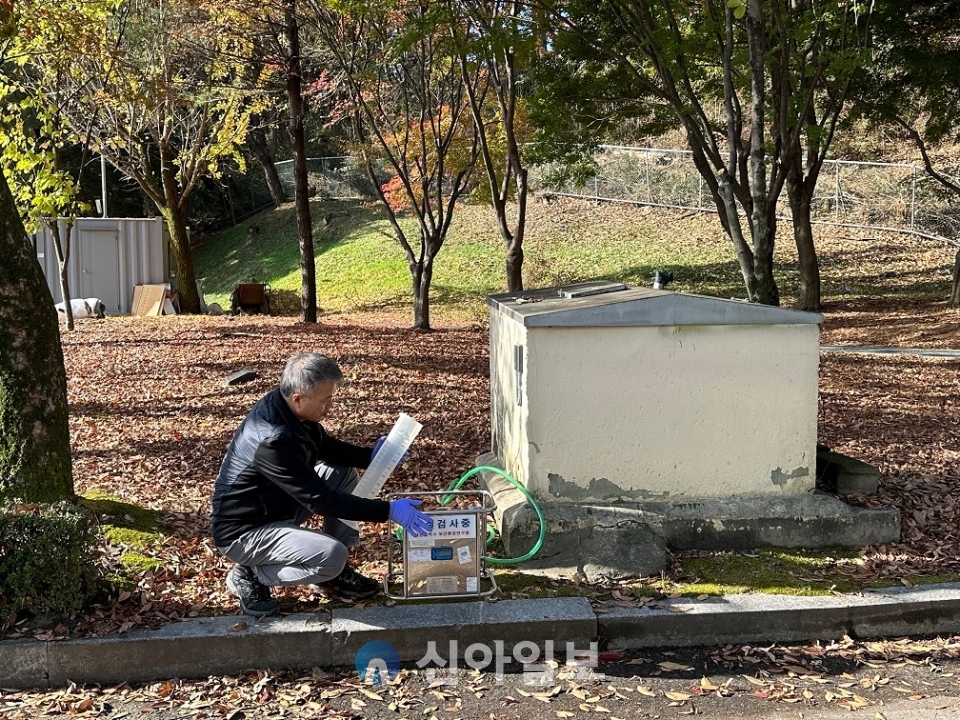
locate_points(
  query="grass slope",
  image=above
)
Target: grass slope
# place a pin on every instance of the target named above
(360, 266)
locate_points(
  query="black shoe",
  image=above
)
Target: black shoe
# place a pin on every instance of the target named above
(254, 596)
(350, 583)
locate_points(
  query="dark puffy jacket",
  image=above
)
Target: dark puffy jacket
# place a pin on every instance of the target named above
(268, 473)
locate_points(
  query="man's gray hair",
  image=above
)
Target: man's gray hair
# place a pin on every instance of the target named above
(305, 371)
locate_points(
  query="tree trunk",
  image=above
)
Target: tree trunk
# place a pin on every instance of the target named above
(65, 295)
(765, 287)
(800, 201)
(762, 220)
(515, 265)
(422, 272)
(189, 296)
(308, 268)
(955, 295)
(176, 216)
(257, 141)
(62, 246)
(727, 207)
(34, 432)
(515, 246)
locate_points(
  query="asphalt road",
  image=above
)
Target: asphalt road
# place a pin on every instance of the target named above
(732, 682)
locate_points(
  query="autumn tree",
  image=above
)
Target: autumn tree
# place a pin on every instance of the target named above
(262, 144)
(295, 128)
(44, 190)
(274, 27)
(778, 73)
(815, 54)
(164, 108)
(410, 106)
(913, 86)
(36, 77)
(496, 39)
(34, 432)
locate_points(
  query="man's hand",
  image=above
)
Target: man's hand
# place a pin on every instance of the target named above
(376, 449)
(403, 511)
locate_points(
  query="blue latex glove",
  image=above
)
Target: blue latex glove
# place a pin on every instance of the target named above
(376, 449)
(403, 511)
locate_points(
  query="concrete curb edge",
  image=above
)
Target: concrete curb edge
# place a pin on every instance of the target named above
(202, 647)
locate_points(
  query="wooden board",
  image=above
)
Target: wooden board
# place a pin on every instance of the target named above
(148, 299)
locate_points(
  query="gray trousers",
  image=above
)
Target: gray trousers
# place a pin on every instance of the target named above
(283, 553)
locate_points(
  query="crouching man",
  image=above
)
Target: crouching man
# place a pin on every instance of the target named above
(282, 467)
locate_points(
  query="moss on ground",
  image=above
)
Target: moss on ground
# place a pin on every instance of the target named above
(783, 571)
(776, 571)
(132, 528)
(515, 583)
(117, 512)
(137, 562)
(771, 570)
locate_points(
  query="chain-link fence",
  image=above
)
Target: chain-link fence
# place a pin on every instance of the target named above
(877, 196)
(331, 177)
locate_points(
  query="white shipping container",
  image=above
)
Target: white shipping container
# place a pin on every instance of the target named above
(108, 258)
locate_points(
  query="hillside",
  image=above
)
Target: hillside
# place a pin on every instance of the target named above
(361, 268)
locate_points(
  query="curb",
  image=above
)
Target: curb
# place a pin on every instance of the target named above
(888, 350)
(202, 647)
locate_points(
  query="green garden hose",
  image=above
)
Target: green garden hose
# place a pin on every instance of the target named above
(533, 503)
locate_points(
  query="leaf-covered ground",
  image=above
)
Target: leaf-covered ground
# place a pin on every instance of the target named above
(890, 679)
(151, 417)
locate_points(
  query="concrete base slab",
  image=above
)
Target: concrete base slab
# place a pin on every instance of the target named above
(412, 628)
(625, 540)
(811, 520)
(779, 618)
(593, 540)
(845, 475)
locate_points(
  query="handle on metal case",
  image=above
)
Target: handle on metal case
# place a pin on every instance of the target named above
(489, 505)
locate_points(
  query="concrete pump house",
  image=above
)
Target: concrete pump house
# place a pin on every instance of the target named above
(603, 392)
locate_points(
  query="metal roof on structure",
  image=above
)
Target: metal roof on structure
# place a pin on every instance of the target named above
(602, 303)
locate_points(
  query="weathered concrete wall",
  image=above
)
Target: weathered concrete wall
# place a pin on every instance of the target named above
(508, 419)
(660, 412)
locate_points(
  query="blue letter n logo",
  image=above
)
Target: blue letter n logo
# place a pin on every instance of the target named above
(377, 662)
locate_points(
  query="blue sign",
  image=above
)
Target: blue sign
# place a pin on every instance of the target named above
(441, 553)
(377, 662)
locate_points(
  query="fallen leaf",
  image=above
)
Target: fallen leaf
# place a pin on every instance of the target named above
(671, 666)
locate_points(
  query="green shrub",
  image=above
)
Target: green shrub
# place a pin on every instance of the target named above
(48, 559)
